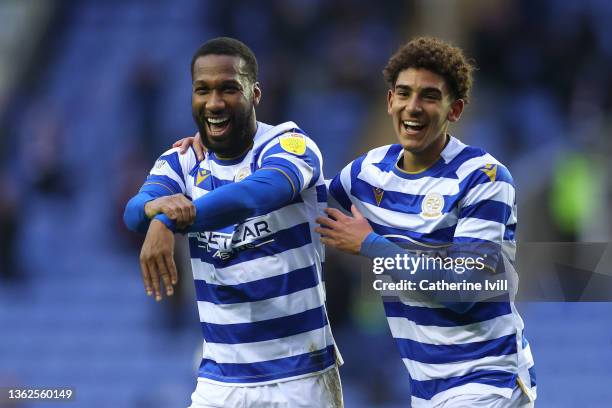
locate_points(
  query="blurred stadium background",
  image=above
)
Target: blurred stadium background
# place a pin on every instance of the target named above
(92, 91)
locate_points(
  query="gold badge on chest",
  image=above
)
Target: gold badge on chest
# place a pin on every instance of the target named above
(432, 205)
(378, 194)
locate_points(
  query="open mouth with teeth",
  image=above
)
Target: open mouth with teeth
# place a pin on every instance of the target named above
(217, 126)
(413, 126)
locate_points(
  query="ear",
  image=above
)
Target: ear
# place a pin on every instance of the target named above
(456, 108)
(390, 95)
(256, 94)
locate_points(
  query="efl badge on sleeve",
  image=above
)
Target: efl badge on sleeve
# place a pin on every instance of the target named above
(432, 205)
(378, 194)
(201, 176)
(293, 143)
(490, 170)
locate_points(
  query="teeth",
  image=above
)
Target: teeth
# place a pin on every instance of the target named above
(412, 123)
(216, 121)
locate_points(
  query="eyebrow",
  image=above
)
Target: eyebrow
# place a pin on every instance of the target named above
(426, 89)
(223, 83)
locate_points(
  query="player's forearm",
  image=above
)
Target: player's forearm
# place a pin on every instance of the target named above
(134, 215)
(263, 191)
(376, 246)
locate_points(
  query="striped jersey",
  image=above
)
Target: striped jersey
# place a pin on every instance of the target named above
(258, 283)
(466, 197)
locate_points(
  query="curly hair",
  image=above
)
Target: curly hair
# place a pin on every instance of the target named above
(437, 56)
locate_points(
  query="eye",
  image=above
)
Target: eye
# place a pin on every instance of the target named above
(231, 89)
(431, 96)
(200, 91)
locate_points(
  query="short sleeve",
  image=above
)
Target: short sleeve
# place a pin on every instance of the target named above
(169, 173)
(295, 155)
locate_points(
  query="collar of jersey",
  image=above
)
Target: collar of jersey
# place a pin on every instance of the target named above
(229, 162)
(429, 171)
(445, 156)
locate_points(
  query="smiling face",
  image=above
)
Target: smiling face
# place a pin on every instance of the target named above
(223, 102)
(421, 107)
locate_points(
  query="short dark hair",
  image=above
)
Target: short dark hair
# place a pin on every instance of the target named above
(437, 56)
(228, 46)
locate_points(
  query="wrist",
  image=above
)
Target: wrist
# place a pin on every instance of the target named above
(367, 248)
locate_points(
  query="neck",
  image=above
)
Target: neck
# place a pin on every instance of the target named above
(234, 155)
(420, 161)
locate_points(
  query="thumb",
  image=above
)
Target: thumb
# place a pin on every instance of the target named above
(356, 213)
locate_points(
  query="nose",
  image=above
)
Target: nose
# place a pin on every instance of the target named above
(215, 101)
(414, 105)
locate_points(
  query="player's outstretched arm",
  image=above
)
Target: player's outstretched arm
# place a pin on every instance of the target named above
(265, 190)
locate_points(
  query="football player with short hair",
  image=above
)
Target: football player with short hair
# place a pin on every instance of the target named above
(249, 208)
(438, 196)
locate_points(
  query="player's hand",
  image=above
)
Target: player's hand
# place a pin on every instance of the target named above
(195, 141)
(177, 207)
(157, 260)
(343, 232)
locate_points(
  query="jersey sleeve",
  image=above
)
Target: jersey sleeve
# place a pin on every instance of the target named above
(296, 156)
(487, 214)
(263, 191)
(168, 175)
(340, 186)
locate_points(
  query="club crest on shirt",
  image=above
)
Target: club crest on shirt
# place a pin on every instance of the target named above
(378, 194)
(490, 170)
(432, 205)
(242, 174)
(293, 143)
(201, 176)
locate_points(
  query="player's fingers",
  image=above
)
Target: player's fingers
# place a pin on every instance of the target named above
(171, 266)
(184, 144)
(334, 213)
(325, 232)
(170, 211)
(161, 262)
(181, 215)
(146, 277)
(327, 241)
(165, 266)
(327, 222)
(356, 213)
(192, 214)
(198, 147)
(187, 212)
(155, 280)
